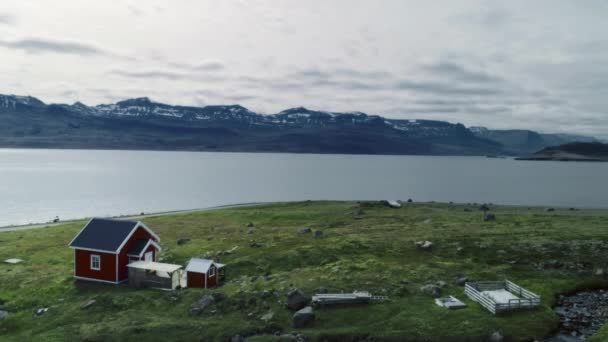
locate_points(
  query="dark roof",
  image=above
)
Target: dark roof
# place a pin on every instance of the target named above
(137, 247)
(103, 234)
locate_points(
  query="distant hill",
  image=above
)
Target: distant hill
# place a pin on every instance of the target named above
(141, 123)
(579, 151)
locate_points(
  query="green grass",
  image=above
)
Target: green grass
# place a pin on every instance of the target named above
(375, 252)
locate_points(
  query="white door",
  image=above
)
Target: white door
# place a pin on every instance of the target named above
(148, 256)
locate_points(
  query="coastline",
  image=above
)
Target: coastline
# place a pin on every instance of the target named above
(11, 228)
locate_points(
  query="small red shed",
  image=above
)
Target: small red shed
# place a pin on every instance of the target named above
(104, 248)
(204, 273)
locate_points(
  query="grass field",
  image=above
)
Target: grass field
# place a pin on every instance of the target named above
(364, 246)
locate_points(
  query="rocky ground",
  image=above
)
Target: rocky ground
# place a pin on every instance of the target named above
(581, 315)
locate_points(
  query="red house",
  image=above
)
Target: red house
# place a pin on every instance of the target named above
(204, 273)
(104, 248)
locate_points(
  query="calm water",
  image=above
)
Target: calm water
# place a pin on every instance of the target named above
(37, 185)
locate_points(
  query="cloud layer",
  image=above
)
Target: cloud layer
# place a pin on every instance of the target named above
(517, 64)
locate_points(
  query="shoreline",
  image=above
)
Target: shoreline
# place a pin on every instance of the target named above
(29, 226)
(11, 228)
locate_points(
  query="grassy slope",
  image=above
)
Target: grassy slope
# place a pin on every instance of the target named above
(373, 253)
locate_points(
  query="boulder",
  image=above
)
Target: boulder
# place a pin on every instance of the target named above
(441, 284)
(599, 272)
(3, 314)
(489, 217)
(550, 209)
(496, 337)
(267, 316)
(256, 245)
(409, 200)
(424, 245)
(40, 311)
(296, 299)
(250, 231)
(250, 224)
(303, 317)
(218, 296)
(305, 230)
(237, 338)
(182, 241)
(432, 290)
(461, 281)
(484, 207)
(88, 304)
(199, 306)
(318, 233)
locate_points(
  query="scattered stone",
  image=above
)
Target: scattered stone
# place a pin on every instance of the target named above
(13, 261)
(427, 221)
(496, 337)
(441, 284)
(296, 299)
(432, 290)
(484, 207)
(303, 317)
(256, 245)
(305, 230)
(461, 281)
(250, 231)
(3, 314)
(237, 338)
(582, 314)
(218, 296)
(550, 209)
(267, 316)
(393, 204)
(88, 304)
(599, 272)
(199, 306)
(40, 311)
(250, 224)
(318, 233)
(182, 241)
(409, 200)
(424, 245)
(459, 250)
(489, 217)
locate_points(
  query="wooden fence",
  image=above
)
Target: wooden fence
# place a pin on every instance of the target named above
(526, 298)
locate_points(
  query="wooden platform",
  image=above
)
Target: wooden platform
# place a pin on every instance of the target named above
(357, 297)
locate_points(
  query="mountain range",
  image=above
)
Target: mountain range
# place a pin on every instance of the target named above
(140, 123)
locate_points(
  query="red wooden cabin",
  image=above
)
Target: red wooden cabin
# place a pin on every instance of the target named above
(204, 273)
(104, 248)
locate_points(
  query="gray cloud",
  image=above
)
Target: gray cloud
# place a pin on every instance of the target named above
(40, 45)
(460, 73)
(149, 74)
(438, 88)
(7, 19)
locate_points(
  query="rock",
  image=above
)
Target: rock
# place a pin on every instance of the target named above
(3, 314)
(496, 337)
(250, 231)
(432, 290)
(424, 245)
(268, 316)
(441, 284)
(318, 233)
(409, 200)
(218, 296)
(484, 207)
(468, 210)
(550, 209)
(599, 272)
(40, 311)
(303, 317)
(461, 281)
(489, 217)
(321, 290)
(13, 261)
(88, 304)
(305, 230)
(237, 338)
(256, 245)
(199, 306)
(250, 224)
(459, 250)
(296, 299)
(182, 241)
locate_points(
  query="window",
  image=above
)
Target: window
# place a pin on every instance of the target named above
(211, 271)
(95, 262)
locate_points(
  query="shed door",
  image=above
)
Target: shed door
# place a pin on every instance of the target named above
(148, 256)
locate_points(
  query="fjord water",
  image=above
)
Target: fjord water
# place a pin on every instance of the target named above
(37, 185)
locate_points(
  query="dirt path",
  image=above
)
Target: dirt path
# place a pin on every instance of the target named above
(136, 217)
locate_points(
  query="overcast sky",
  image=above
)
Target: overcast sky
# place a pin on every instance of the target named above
(539, 64)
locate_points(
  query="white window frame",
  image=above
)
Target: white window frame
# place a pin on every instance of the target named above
(95, 258)
(211, 271)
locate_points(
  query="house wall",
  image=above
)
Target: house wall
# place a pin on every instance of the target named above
(123, 259)
(212, 280)
(82, 265)
(195, 279)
